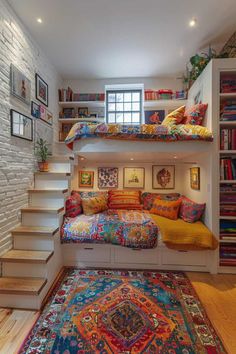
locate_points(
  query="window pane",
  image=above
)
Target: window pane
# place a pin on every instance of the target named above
(111, 97)
(119, 97)
(136, 117)
(119, 117)
(111, 118)
(136, 96)
(135, 106)
(127, 97)
(127, 118)
(119, 107)
(111, 107)
(127, 107)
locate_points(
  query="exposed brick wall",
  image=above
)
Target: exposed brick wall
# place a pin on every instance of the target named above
(17, 160)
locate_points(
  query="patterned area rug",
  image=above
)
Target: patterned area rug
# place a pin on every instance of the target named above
(126, 312)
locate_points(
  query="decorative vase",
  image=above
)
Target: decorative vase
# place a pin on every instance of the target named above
(43, 166)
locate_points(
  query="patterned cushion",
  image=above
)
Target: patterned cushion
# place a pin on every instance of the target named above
(86, 194)
(174, 117)
(168, 209)
(148, 198)
(73, 206)
(94, 205)
(194, 115)
(124, 199)
(191, 211)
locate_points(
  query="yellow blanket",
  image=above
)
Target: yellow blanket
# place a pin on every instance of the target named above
(181, 235)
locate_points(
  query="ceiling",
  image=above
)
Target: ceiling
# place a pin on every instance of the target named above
(125, 38)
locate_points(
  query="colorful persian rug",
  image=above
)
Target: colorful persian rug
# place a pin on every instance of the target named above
(126, 312)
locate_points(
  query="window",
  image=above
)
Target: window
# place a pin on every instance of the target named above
(124, 106)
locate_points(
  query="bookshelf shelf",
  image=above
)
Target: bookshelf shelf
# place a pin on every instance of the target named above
(82, 104)
(228, 95)
(75, 120)
(164, 103)
(227, 152)
(228, 181)
(228, 217)
(228, 241)
(226, 123)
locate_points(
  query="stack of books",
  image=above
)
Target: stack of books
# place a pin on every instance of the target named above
(151, 95)
(228, 254)
(228, 139)
(228, 111)
(228, 187)
(67, 95)
(228, 230)
(227, 168)
(228, 204)
(228, 83)
(165, 94)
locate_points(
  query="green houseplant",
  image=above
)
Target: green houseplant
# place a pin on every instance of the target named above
(42, 153)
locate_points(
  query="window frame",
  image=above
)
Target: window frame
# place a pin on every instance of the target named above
(114, 90)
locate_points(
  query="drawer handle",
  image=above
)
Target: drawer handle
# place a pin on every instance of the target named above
(88, 248)
(136, 249)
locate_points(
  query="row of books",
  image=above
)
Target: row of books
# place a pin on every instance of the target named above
(67, 95)
(228, 83)
(228, 230)
(228, 139)
(228, 254)
(228, 209)
(228, 111)
(227, 168)
(151, 95)
(227, 187)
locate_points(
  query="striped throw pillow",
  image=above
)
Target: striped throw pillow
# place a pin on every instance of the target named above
(122, 199)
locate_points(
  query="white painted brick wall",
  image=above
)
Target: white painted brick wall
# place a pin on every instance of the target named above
(17, 162)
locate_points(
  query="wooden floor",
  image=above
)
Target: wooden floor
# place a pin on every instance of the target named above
(216, 292)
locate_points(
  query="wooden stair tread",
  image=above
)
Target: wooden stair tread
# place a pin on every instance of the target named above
(47, 190)
(35, 230)
(21, 285)
(26, 256)
(62, 174)
(42, 210)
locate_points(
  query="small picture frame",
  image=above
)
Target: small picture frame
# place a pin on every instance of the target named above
(86, 179)
(107, 177)
(68, 112)
(21, 125)
(20, 85)
(195, 178)
(154, 116)
(134, 177)
(163, 177)
(82, 112)
(41, 89)
(35, 110)
(42, 113)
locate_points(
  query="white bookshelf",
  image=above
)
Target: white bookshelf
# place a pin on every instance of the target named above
(89, 104)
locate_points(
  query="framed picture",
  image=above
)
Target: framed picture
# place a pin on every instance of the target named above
(42, 112)
(195, 178)
(86, 179)
(21, 126)
(35, 111)
(41, 89)
(163, 177)
(68, 112)
(107, 177)
(134, 177)
(45, 131)
(20, 85)
(82, 111)
(49, 117)
(154, 116)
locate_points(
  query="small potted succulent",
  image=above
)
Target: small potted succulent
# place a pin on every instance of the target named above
(42, 153)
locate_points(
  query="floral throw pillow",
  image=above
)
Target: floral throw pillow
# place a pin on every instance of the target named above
(73, 206)
(191, 211)
(148, 198)
(94, 205)
(168, 209)
(195, 114)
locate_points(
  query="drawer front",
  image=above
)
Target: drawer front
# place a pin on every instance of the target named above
(173, 257)
(139, 256)
(92, 253)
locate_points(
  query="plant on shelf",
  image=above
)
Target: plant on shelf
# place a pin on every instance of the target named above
(42, 153)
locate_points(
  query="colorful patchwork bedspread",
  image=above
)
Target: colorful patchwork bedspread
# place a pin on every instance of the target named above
(130, 228)
(145, 132)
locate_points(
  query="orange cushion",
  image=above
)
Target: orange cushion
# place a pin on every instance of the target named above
(124, 199)
(168, 209)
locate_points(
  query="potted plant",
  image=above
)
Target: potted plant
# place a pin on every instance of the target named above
(42, 153)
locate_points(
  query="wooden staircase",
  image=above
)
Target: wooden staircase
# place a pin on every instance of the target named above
(29, 269)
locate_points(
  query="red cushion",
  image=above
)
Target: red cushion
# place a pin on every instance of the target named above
(73, 205)
(194, 115)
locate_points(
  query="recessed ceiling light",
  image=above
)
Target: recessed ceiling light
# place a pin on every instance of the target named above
(131, 159)
(193, 22)
(175, 157)
(82, 158)
(39, 20)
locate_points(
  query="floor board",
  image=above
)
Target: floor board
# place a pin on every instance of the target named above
(216, 292)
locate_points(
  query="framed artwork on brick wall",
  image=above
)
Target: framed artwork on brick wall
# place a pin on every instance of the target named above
(20, 85)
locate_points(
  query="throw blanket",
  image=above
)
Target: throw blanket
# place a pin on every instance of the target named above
(143, 132)
(129, 228)
(180, 235)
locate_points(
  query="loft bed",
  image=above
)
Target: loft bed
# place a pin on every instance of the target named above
(87, 133)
